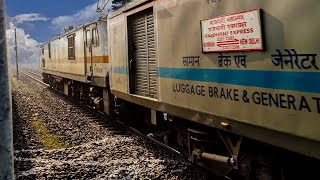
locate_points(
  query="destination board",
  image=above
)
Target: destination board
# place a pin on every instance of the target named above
(235, 32)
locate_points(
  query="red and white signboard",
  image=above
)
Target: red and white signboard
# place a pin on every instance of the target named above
(236, 32)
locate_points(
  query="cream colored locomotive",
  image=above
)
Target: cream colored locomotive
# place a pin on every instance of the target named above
(236, 82)
(77, 63)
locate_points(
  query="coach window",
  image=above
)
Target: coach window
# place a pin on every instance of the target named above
(49, 49)
(95, 37)
(71, 47)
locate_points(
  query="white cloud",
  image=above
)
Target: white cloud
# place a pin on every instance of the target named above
(21, 18)
(83, 16)
(28, 48)
(28, 51)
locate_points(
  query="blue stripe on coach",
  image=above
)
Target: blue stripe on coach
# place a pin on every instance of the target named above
(120, 70)
(285, 80)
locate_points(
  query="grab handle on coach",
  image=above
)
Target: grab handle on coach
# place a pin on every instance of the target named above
(130, 64)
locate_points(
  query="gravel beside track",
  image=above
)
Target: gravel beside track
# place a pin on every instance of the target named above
(55, 139)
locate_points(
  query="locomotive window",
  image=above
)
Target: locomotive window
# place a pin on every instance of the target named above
(71, 48)
(43, 63)
(49, 49)
(88, 35)
(42, 50)
(95, 37)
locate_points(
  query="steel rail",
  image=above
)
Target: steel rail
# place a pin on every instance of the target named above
(39, 81)
(33, 72)
(123, 125)
(132, 129)
(129, 128)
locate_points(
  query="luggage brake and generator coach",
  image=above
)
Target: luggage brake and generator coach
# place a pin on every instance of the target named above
(238, 81)
(232, 85)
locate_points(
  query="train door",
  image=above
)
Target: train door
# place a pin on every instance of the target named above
(142, 54)
(88, 48)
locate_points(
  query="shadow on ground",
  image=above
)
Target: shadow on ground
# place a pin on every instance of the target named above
(21, 140)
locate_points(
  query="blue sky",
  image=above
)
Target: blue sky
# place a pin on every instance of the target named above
(37, 21)
(51, 9)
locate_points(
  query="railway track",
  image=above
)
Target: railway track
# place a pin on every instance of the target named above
(112, 123)
(37, 73)
(33, 78)
(102, 114)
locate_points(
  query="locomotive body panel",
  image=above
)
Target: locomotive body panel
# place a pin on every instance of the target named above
(90, 58)
(259, 92)
(118, 52)
(59, 55)
(274, 89)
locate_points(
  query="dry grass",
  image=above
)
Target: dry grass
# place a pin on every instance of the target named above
(49, 140)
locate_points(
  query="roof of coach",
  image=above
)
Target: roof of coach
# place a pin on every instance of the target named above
(73, 30)
(127, 7)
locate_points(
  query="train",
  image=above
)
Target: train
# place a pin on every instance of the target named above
(233, 84)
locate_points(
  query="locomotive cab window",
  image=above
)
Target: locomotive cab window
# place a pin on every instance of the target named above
(95, 37)
(71, 47)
